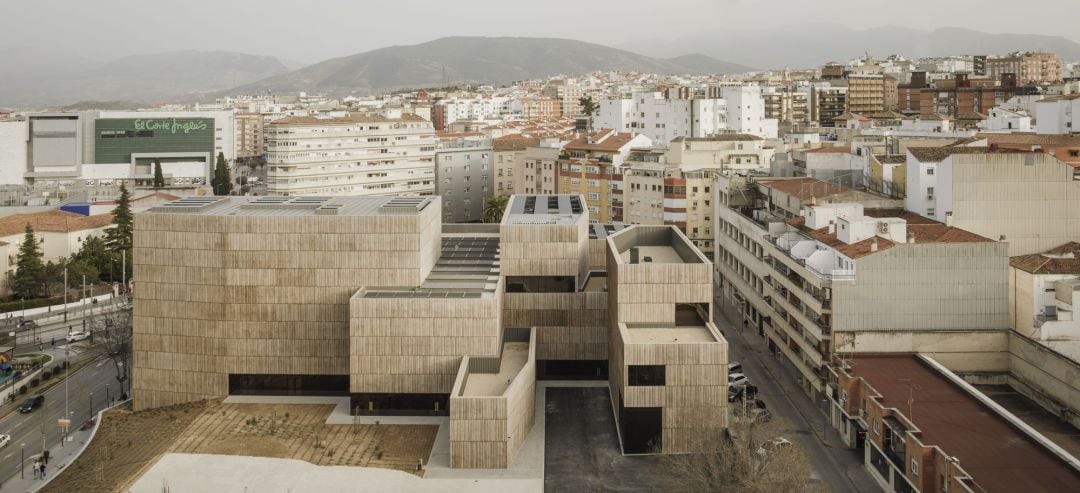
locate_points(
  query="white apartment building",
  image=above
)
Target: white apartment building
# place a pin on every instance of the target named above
(746, 111)
(13, 137)
(1057, 115)
(1044, 294)
(1029, 199)
(663, 119)
(358, 154)
(819, 269)
(1003, 120)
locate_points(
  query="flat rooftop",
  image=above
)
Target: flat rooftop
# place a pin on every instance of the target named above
(654, 254)
(545, 209)
(294, 206)
(514, 357)
(662, 244)
(997, 455)
(668, 335)
(468, 267)
(601, 231)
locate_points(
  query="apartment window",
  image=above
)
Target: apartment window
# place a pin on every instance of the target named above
(914, 467)
(931, 211)
(594, 196)
(929, 191)
(645, 375)
(930, 171)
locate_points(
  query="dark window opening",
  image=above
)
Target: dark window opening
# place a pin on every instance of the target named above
(379, 404)
(572, 369)
(641, 429)
(253, 384)
(645, 375)
(540, 284)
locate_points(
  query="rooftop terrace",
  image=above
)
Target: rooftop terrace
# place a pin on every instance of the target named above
(544, 209)
(661, 244)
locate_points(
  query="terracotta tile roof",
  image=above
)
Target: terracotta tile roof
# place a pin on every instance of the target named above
(513, 143)
(924, 230)
(1064, 259)
(803, 188)
(351, 118)
(613, 142)
(719, 138)
(998, 456)
(53, 221)
(1030, 139)
(891, 158)
(937, 154)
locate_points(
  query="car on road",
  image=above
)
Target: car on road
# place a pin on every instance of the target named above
(737, 380)
(4, 440)
(77, 336)
(771, 446)
(31, 403)
(734, 368)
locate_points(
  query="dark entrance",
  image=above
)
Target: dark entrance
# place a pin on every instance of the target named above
(572, 369)
(401, 404)
(642, 429)
(253, 384)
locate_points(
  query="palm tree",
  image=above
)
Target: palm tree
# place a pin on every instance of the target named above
(494, 207)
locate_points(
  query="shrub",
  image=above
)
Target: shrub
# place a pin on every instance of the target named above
(34, 382)
(45, 375)
(22, 390)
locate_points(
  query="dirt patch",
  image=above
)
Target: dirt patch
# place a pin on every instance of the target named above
(129, 442)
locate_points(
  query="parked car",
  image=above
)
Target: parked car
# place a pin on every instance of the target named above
(734, 368)
(758, 409)
(4, 440)
(737, 380)
(771, 446)
(747, 391)
(31, 403)
(77, 336)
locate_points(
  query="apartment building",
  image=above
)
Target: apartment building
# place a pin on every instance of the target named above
(536, 108)
(663, 119)
(249, 135)
(922, 428)
(828, 101)
(508, 155)
(1055, 115)
(1044, 292)
(787, 106)
(870, 93)
(666, 194)
(464, 175)
(539, 170)
(375, 300)
(1030, 200)
(816, 268)
(392, 153)
(568, 92)
(593, 166)
(746, 112)
(1029, 68)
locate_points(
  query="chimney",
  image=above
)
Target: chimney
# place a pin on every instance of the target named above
(948, 218)
(873, 244)
(911, 237)
(633, 255)
(832, 227)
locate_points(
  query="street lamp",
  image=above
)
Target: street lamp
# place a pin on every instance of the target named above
(22, 461)
(91, 405)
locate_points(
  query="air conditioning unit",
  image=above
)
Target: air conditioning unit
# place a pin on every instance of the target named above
(883, 227)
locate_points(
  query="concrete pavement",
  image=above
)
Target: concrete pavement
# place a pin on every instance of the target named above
(833, 463)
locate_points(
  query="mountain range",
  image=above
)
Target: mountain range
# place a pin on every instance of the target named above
(812, 45)
(36, 79)
(475, 60)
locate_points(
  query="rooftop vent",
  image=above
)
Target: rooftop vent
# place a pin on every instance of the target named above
(189, 204)
(404, 205)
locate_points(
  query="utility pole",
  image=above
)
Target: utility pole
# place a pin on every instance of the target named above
(65, 294)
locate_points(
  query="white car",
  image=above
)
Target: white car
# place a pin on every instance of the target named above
(4, 440)
(77, 336)
(773, 445)
(737, 380)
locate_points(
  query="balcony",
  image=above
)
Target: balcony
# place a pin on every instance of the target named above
(797, 247)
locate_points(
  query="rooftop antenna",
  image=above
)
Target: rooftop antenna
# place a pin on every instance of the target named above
(912, 387)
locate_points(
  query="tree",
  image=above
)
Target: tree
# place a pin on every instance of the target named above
(95, 254)
(222, 182)
(115, 335)
(494, 207)
(118, 238)
(588, 106)
(29, 269)
(159, 177)
(748, 459)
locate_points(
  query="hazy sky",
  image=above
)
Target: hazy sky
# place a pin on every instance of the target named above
(312, 30)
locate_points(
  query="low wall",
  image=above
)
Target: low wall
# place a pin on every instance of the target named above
(1045, 376)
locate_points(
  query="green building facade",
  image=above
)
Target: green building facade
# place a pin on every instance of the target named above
(116, 139)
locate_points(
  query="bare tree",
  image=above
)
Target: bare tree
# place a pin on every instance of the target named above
(113, 337)
(753, 457)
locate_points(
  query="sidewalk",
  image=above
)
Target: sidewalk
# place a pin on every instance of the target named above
(59, 458)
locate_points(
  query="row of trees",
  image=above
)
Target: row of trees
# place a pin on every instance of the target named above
(101, 258)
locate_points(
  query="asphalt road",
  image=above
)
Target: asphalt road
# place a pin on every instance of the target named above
(27, 428)
(838, 467)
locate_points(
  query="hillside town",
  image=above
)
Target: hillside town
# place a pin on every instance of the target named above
(856, 276)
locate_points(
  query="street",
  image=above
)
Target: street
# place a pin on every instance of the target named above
(835, 465)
